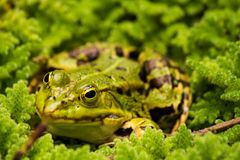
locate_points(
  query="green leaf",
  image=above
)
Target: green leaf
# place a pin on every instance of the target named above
(8, 42)
(19, 102)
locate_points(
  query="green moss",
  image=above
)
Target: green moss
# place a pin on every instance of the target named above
(203, 36)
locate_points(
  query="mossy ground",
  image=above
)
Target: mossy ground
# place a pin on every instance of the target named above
(202, 35)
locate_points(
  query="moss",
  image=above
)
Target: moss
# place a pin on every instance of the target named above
(203, 36)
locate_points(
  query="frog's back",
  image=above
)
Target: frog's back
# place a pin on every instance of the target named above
(101, 64)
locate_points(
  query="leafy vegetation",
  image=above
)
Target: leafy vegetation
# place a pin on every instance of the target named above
(203, 36)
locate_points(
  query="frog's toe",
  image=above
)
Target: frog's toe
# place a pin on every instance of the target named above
(138, 126)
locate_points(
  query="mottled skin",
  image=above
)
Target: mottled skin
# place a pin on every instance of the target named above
(99, 91)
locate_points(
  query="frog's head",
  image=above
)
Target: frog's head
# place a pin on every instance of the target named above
(77, 108)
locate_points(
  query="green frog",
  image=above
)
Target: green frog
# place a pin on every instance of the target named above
(101, 91)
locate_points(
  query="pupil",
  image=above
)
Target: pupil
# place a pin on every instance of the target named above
(90, 94)
(46, 77)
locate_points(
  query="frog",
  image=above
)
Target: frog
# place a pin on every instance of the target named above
(101, 91)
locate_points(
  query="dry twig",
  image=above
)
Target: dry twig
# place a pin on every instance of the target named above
(218, 127)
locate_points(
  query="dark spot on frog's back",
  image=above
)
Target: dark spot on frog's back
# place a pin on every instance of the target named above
(159, 81)
(121, 68)
(119, 51)
(147, 67)
(134, 54)
(80, 62)
(91, 53)
(156, 113)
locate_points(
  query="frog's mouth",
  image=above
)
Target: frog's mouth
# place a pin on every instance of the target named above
(84, 119)
(85, 116)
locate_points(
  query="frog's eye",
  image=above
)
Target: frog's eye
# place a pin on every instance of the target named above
(59, 78)
(46, 78)
(56, 78)
(89, 94)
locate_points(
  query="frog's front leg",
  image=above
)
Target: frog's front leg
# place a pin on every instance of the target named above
(137, 126)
